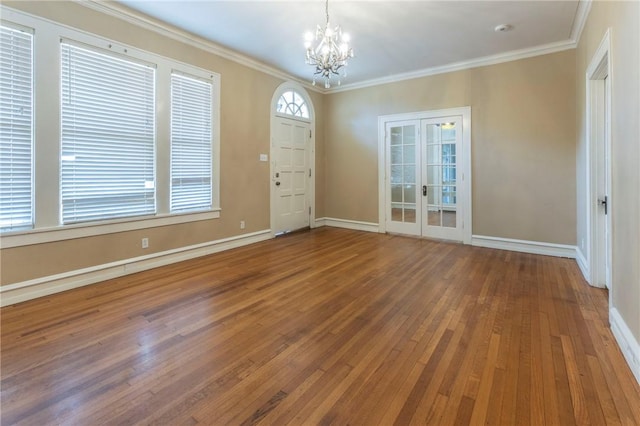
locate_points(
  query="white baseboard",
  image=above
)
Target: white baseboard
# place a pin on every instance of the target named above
(583, 265)
(348, 224)
(524, 246)
(626, 341)
(31, 289)
(320, 222)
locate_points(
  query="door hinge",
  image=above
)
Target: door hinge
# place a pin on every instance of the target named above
(309, 210)
(309, 134)
(309, 172)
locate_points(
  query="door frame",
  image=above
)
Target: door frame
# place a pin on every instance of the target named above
(311, 155)
(465, 200)
(596, 107)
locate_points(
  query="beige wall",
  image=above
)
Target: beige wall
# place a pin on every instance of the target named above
(523, 144)
(623, 18)
(245, 133)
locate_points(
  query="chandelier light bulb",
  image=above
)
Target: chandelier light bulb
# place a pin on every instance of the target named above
(346, 37)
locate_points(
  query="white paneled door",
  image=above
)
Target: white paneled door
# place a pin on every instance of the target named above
(425, 170)
(291, 149)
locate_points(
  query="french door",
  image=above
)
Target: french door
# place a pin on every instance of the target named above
(425, 185)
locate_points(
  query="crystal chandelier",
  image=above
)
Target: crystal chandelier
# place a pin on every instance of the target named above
(330, 53)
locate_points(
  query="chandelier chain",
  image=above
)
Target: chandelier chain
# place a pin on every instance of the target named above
(326, 10)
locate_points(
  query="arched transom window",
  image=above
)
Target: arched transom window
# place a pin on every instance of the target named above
(293, 104)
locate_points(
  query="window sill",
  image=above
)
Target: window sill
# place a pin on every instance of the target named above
(68, 232)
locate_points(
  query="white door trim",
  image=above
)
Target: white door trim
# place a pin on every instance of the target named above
(598, 69)
(311, 182)
(466, 205)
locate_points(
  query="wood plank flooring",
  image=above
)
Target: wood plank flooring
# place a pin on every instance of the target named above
(329, 326)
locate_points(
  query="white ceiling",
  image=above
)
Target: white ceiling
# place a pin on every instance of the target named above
(390, 38)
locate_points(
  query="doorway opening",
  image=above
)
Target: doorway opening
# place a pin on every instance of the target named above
(599, 200)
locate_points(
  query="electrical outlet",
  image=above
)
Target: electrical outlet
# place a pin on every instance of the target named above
(145, 243)
(242, 224)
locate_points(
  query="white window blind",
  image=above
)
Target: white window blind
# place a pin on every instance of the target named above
(16, 129)
(191, 145)
(108, 135)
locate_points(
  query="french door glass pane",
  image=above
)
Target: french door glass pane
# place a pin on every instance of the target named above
(396, 155)
(410, 174)
(410, 195)
(396, 174)
(396, 194)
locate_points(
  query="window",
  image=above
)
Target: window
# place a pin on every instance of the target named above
(124, 139)
(108, 135)
(16, 124)
(292, 103)
(191, 153)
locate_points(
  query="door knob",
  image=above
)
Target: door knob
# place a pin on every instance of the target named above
(424, 190)
(277, 183)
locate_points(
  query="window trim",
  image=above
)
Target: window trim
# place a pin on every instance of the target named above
(20, 238)
(47, 224)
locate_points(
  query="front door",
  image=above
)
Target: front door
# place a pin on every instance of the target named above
(290, 179)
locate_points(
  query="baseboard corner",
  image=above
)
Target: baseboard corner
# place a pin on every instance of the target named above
(581, 260)
(319, 222)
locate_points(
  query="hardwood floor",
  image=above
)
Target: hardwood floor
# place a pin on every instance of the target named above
(329, 326)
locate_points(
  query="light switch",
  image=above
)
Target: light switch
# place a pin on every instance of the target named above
(264, 157)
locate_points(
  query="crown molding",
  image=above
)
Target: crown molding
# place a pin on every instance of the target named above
(463, 65)
(580, 20)
(146, 22)
(124, 13)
